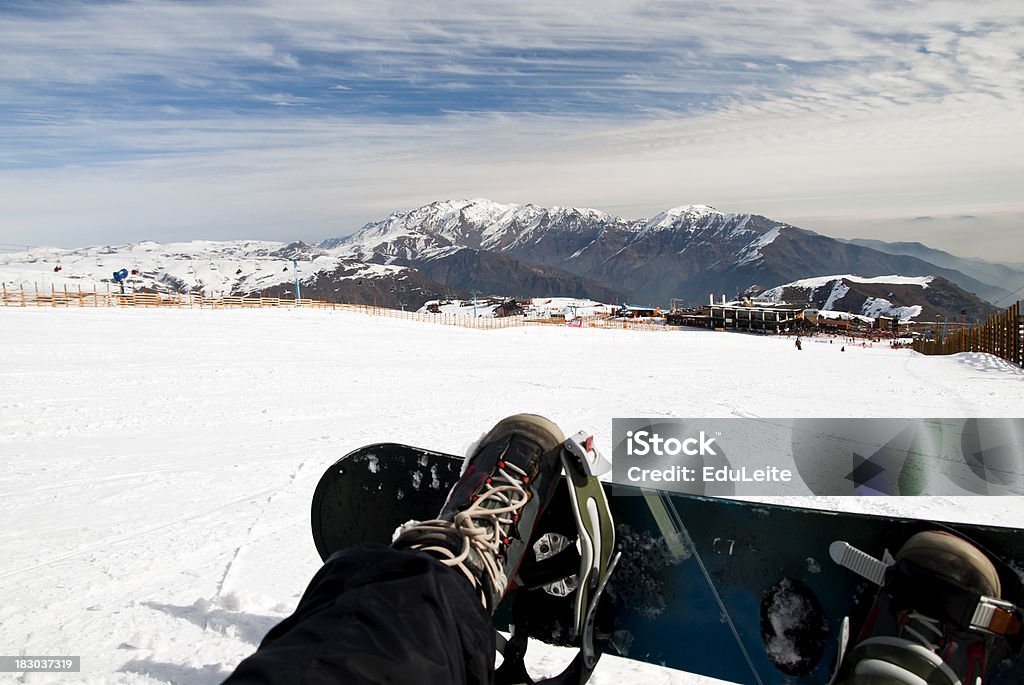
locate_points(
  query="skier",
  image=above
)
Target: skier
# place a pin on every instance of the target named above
(420, 610)
(799, 345)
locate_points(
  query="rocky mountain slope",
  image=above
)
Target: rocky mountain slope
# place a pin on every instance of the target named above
(686, 252)
(934, 297)
(1000, 280)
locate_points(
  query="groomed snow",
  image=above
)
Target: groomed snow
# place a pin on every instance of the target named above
(538, 307)
(159, 464)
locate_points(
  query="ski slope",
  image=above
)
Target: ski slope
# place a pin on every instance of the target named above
(159, 464)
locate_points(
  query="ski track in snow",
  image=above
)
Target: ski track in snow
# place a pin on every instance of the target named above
(249, 533)
(160, 464)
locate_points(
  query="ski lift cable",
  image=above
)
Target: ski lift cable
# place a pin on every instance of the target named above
(12, 247)
(1009, 295)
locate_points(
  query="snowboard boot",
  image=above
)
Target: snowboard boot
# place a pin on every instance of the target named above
(487, 522)
(934, 621)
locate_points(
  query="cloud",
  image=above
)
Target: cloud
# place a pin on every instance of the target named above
(626, 57)
(305, 119)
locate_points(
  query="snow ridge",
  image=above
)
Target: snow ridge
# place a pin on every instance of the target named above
(752, 252)
(476, 223)
(839, 286)
(487, 225)
(212, 267)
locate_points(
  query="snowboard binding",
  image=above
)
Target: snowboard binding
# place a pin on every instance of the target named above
(941, 612)
(560, 590)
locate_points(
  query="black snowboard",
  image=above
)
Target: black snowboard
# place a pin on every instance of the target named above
(733, 590)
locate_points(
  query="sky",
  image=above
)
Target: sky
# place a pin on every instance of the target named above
(305, 119)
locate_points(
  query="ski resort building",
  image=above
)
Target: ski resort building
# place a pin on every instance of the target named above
(762, 319)
(739, 317)
(636, 311)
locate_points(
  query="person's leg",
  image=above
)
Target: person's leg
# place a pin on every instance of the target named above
(420, 611)
(373, 614)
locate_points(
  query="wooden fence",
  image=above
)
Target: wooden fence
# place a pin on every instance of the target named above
(465, 321)
(1002, 335)
(95, 297)
(490, 322)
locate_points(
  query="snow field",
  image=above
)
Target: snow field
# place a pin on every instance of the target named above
(154, 516)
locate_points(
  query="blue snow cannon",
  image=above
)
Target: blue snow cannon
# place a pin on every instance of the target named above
(119, 276)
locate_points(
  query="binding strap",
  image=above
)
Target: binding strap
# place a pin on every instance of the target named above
(913, 587)
(592, 563)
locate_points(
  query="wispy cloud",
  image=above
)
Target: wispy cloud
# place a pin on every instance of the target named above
(271, 119)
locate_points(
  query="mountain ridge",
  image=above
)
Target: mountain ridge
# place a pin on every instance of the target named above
(880, 296)
(1003, 279)
(684, 252)
(451, 247)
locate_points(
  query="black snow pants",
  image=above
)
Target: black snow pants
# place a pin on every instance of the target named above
(373, 614)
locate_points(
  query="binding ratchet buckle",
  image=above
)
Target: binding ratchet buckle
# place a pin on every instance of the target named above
(937, 595)
(582, 569)
(997, 616)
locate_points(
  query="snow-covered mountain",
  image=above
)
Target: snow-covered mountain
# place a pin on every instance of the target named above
(246, 267)
(551, 236)
(685, 252)
(1004, 279)
(454, 247)
(437, 229)
(237, 267)
(921, 299)
(587, 242)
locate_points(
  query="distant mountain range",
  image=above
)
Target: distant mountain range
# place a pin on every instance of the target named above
(1006, 279)
(456, 247)
(688, 252)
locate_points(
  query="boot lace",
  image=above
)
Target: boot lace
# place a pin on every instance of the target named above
(482, 527)
(928, 625)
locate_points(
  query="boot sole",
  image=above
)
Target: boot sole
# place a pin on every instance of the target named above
(541, 430)
(953, 557)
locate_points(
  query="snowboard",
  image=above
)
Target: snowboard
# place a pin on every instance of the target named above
(740, 591)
